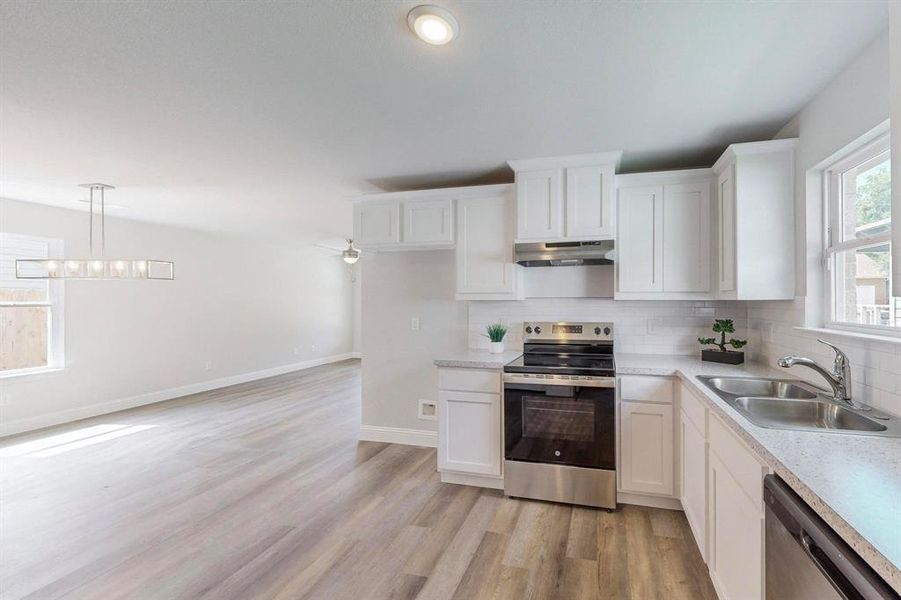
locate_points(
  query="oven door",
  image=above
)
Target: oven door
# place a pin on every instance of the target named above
(559, 424)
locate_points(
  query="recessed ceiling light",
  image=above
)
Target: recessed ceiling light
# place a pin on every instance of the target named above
(432, 24)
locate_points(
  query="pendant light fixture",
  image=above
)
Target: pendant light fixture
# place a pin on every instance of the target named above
(97, 266)
(350, 254)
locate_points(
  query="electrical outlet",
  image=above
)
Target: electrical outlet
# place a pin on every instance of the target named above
(208, 365)
(297, 352)
(428, 410)
(415, 324)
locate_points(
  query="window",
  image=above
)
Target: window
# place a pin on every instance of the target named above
(31, 311)
(858, 253)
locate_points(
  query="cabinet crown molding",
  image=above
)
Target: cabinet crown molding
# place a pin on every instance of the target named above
(472, 191)
(571, 160)
(656, 177)
(747, 148)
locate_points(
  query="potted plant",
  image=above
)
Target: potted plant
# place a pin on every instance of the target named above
(496, 334)
(722, 355)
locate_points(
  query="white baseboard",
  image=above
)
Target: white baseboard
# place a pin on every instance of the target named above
(485, 481)
(652, 501)
(103, 408)
(398, 435)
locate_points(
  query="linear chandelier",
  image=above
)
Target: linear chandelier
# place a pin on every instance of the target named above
(97, 266)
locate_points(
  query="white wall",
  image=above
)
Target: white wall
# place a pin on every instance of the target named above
(853, 103)
(247, 306)
(398, 367)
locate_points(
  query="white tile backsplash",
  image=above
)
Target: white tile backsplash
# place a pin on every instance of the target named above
(669, 327)
(654, 327)
(875, 365)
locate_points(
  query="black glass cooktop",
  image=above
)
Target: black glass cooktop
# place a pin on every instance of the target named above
(566, 359)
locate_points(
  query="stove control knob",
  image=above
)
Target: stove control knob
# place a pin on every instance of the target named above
(606, 331)
(597, 331)
(538, 329)
(528, 329)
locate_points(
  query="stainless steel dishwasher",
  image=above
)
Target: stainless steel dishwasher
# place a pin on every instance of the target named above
(806, 559)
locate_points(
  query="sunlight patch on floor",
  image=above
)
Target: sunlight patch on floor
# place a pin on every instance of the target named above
(71, 440)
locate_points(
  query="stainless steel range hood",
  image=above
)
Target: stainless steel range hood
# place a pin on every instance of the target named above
(565, 254)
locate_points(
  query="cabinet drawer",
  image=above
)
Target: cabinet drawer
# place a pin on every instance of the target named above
(646, 389)
(742, 464)
(469, 380)
(693, 409)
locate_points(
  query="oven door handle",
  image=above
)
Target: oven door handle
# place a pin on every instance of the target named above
(599, 382)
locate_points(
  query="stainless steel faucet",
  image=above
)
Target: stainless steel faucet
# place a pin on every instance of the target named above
(839, 379)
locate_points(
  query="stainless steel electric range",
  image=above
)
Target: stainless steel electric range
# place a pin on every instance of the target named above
(559, 419)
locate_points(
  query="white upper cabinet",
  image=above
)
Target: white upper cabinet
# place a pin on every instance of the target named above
(485, 230)
(639, 253)
(755, 206)
(377, 223)
(539, 201)
(663, 235)
(428, 221)
(686, 237)
(565, 197)
(725, 220)
(419, 220)
(589, 201)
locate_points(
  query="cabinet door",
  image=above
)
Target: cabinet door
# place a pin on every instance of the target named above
(725, 196)
(693, 460)
(735, 552)
(686, 237)
(376, 223)
(539, 205)
(639, 232)
(646, 437)
(469, 432)
(485, 246)
(428, 221)
(589, 202)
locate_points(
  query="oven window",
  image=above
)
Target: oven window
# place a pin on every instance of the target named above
(557, 419)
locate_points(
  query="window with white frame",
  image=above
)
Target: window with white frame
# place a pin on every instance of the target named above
(31, 310)
(859, 241)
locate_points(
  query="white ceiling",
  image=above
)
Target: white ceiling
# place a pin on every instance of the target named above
(262, 118)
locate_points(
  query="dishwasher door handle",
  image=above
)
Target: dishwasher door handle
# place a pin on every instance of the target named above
(827, 567)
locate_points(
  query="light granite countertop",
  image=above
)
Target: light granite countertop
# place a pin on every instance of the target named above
(852, 481)
(477, 359)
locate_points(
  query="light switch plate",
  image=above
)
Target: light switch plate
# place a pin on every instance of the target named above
(414, 324)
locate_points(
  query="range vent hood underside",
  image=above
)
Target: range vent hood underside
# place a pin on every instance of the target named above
(565, 254)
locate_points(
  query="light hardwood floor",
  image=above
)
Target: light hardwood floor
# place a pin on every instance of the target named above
(262, 491)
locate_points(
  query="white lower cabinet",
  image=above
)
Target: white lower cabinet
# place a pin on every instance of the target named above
(735, 524)
(693, 463)
(646, 442)
(469, 424)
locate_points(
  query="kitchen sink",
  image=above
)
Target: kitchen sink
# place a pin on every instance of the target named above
(807, 414)
(792, 404)
(769, 388)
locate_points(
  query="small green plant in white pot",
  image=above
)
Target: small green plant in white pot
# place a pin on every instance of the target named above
(496, 334)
